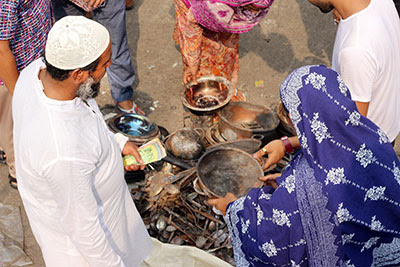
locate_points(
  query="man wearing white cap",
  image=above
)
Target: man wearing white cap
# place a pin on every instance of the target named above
(71, 176)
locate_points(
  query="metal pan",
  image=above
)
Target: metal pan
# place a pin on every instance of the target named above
(224, 170)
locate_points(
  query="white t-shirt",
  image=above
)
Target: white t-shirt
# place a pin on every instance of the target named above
(71, 181)
(367, 56)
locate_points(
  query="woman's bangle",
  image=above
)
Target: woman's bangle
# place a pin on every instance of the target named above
(288, 145)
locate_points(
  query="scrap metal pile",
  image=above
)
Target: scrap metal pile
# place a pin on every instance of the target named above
(172, 198)
(175, 211)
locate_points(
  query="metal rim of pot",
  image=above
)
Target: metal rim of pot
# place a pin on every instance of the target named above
(200, 179)
(139, 140)
(219, 79)
(236, 144)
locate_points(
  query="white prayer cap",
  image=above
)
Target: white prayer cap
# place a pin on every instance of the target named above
(75, 42)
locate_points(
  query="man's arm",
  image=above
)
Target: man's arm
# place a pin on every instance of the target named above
(8, 71)
(362, 107)
(71, 182)
(358, 70)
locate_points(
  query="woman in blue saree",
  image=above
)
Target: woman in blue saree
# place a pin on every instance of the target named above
(338, 201)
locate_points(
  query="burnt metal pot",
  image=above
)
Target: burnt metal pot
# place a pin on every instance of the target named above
(240, 120)
(223, 170)
(207, 94)
(185, 143)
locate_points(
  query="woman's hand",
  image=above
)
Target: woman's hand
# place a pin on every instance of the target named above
(270, 179)
(94, 3)
(190, 75)
(221, 203)
(275, 151)
(131, 149)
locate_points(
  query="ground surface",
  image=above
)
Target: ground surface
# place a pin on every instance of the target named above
(293, 34)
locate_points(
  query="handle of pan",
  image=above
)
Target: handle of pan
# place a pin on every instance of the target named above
(177, 162)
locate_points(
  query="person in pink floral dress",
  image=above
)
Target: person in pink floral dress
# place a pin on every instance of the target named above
(208, 35)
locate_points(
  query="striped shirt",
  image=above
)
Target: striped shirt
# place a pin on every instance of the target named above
(25, 24)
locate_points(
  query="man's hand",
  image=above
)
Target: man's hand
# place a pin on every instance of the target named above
(270, 179)
(94, 3)
(131, 149)
(221, 203)
(275, 151)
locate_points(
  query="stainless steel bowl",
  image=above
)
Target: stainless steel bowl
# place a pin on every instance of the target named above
(208, 94)
(139, 129)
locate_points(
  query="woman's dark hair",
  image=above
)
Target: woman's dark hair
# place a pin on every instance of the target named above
(282, 111)
(61, 75)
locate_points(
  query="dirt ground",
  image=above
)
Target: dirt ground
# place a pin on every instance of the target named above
(293, 34)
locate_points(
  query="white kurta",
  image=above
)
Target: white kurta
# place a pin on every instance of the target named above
(71, 180)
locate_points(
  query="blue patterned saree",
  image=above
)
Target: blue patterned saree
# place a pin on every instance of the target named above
(338, 201)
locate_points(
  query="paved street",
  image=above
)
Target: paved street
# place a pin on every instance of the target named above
(293, 34)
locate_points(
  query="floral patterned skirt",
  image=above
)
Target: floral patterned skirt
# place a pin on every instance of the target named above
(218, 53)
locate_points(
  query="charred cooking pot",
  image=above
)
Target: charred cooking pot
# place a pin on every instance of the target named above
(185, 143)
(223, 170)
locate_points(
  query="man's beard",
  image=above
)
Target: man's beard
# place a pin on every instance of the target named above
(88, 89)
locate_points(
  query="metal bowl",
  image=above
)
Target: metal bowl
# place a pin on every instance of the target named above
(139, 129)
(208, 94)
(241, 120)
(224, 170)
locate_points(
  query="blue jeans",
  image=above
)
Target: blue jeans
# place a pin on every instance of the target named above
(121, 74)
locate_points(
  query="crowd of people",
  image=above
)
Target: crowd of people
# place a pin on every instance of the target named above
(335, 204)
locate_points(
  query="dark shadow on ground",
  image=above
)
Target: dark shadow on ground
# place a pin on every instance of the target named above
(275, 49)
(317, 32)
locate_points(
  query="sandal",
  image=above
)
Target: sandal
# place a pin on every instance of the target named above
(13, 182)
(134, 109)
(3, 157)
